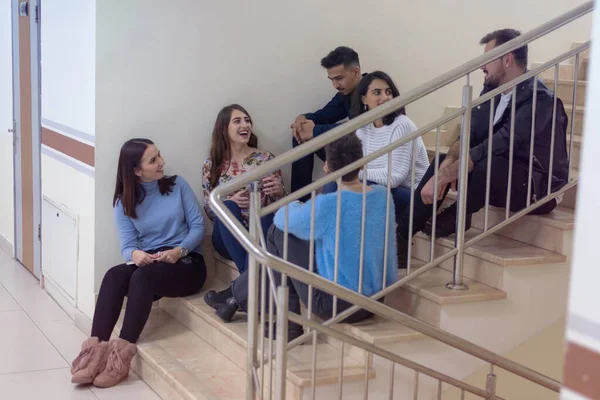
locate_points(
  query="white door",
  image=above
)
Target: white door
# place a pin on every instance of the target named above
(7, 234)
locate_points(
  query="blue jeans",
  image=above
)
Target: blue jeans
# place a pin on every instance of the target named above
(400, 194)
(227, 245)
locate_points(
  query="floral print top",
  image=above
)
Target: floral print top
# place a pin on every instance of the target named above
(233, 169)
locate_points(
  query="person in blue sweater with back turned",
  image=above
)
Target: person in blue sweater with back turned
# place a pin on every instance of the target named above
(339, 154)
(343, 70)
(160, 227)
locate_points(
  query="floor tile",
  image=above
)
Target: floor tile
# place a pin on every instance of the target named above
(23, 347)
(65, 337)
(47, 385)
(132, 388)
(7, 303)
(37, 303)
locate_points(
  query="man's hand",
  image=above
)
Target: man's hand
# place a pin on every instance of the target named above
(306, 131)
(427, 191)
(297, 125)
(169, 256)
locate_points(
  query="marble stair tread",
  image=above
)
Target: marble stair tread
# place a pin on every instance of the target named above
(299, 369)
(377, 330)
(502, 251)
(432, 286)
(179, 357)
(560, 217)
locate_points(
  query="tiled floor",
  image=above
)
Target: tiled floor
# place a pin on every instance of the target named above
(37, 343)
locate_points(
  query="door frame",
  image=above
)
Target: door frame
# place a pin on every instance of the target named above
(21, 182)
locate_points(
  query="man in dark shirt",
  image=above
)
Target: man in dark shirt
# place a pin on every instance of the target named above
(343, 69)
(497, 73)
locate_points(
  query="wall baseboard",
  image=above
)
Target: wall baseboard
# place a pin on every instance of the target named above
(6, 246)
(83, 322)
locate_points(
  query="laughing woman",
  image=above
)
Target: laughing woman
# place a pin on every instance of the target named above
(234, 151)
(160, 228)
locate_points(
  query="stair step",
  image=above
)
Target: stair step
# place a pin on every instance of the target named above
(565, 90)
(552, 232)
(426, 296)
(172, 360)
(500, 250)
(231, 340)
(565, 71)
(432, 286)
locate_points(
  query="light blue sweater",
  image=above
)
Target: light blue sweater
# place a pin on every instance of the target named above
(172, 220)
(350, 224)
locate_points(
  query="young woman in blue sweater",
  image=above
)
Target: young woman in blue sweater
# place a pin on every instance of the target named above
(160, 228)
(339, 154)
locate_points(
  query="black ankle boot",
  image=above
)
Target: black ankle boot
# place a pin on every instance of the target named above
(402, 248)
(227, 310)
(217, 299)
(294, 331)
(446, 223)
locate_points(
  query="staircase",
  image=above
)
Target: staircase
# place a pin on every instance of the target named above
(518, 282)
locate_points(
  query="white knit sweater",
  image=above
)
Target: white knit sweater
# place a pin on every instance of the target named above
(374, 139)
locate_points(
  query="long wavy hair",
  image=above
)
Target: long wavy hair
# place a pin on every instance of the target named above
(220, 148)
(128, 189)
(357, 106)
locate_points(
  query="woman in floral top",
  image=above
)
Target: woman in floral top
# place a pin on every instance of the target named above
(233, 152)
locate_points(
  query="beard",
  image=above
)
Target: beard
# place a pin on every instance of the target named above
(493, 81)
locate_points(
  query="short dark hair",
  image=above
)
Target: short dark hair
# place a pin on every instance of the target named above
(342, 152)
(357, 108)
(502, 36)
(342, 55)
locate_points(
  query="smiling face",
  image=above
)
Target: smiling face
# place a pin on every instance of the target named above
(378, 92)
(240, 127)
(151, 166)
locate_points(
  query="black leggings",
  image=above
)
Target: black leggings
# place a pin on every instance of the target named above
(142, 286)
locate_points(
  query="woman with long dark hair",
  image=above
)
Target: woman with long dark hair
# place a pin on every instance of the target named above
(374, 90)
(160, 227)
(234, 150)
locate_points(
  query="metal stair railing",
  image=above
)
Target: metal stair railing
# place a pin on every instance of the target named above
(259, 259)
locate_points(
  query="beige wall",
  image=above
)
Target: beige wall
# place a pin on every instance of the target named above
(164, 69)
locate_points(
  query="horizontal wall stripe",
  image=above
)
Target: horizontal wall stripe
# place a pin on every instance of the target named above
(71, 147)
(67, 130)
(582, 371)
(583, 326)
(71, 162)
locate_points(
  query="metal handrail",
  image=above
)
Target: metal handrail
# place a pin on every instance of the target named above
(401, 101)
(261, 256)
(371, 348)
(310, 278)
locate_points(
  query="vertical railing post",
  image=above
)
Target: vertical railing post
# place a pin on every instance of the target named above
(251, 356)
(490, 384)
(467, 96)
(282, 342)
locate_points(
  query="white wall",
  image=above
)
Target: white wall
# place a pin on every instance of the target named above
(68, 46)
(583, 324)
(165, 69)
(69, 63)
(6, 122)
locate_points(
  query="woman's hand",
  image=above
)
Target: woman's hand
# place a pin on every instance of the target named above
(169, 256)
(241, 198)
(141, 258)
(272, 186)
